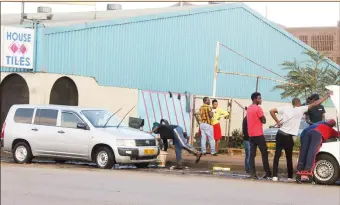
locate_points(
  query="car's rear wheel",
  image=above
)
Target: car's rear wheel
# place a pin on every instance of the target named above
(22, 153)
(142, 165)
(326, 170)
(104, 158)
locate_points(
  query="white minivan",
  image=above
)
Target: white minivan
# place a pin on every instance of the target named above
(74, 133)
(327, 167)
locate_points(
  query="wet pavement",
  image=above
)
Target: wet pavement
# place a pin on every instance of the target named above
(32, 184)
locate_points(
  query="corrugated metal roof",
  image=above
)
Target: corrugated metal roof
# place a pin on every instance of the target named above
(69, 18)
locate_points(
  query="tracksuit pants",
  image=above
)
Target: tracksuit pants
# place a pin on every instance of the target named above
(284, 142)
(182, 143)
(258, 141)
(310, 146)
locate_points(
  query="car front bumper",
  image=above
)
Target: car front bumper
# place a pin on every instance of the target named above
(137, 154)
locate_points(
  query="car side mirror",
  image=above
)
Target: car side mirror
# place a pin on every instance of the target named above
(136, 123)
(82, 126)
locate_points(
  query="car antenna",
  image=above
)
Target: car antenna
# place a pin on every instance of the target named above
(108, 119)
(125, 116)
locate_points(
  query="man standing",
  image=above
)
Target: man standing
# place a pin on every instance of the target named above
(206, 127)
(218, 114)
(255, 121)
(246, 142)
(175, 133)
(289, 127)
(317, 113)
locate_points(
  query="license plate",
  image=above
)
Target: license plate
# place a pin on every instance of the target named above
(149, 151)
(270, 144)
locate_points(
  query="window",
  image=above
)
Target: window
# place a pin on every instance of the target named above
(304, 39)
(69, 120)
(46, 117)
(23, 115)
(323, 42)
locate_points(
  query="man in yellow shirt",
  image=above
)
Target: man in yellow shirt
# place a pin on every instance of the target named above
(218, 114)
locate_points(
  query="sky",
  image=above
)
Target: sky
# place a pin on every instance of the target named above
(289, 14)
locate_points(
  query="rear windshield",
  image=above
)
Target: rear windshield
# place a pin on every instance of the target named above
(23, 115)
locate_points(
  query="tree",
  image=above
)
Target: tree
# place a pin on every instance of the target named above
(308, 77)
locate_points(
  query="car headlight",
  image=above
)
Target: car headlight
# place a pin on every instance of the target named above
(126, 143)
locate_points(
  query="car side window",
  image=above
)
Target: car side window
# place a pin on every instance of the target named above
(70, 120)
(23, 115)
(46, 117)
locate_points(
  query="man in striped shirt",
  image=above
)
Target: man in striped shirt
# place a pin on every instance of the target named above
(206, 127)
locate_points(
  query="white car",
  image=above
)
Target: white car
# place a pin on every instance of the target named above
(68, 132)
(327, 167)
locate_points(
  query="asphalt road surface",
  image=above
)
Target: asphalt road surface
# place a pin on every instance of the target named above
(26, 185)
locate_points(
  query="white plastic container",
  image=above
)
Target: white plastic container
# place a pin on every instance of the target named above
(161, 159)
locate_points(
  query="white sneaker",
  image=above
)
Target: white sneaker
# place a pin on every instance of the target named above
(275, 179)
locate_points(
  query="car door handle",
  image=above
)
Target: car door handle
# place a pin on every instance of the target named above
(60, 131)
(34, 129)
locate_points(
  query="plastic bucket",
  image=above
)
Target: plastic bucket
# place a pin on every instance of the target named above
(161, 159)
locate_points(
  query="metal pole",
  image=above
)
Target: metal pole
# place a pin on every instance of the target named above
(216, 68)
(257, 83)
(22, 12)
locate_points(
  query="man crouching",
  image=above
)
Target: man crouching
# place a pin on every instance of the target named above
(175, 133)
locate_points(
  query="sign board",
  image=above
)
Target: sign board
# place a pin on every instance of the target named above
(17, 47)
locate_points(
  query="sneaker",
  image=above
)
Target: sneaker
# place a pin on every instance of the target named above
(198, 157)
(267, 177)
(214, 154)
(275, 179)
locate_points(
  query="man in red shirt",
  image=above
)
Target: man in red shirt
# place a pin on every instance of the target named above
(255, 121)
(311, 143)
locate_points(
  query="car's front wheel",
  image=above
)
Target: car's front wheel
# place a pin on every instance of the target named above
(104, 158)
(326, 170)
(22, 153)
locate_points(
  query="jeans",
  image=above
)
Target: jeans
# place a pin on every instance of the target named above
(247, 150)
(283, 141)
(310, 146)
(181, 142)
(258, 141)
(207, 131)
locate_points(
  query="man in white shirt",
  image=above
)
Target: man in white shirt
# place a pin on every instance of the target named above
(289, 127)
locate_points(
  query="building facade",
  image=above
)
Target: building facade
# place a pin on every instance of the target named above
(323, 39)
(140, 59)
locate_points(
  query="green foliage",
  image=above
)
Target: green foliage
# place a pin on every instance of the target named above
(308, 77)
(237, 139)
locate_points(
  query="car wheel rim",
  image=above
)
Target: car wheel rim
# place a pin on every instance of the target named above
(21, 153)
(324, 170)
(102, 158)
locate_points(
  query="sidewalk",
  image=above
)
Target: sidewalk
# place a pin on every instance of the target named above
(235, 162)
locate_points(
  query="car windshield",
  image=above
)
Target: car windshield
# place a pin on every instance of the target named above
(98, 118)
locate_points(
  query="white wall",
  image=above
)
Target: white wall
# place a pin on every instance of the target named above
(90, 93)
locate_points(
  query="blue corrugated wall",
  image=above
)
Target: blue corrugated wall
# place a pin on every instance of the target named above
(172, 51)
(153, 106)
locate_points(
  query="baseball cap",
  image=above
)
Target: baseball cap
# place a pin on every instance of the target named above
(331, 122)
(315, 97)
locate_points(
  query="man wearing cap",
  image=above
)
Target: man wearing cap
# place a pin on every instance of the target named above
(311, 141)
(317, 113)
(175, 133)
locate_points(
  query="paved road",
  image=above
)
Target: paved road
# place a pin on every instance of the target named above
(51, 186)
